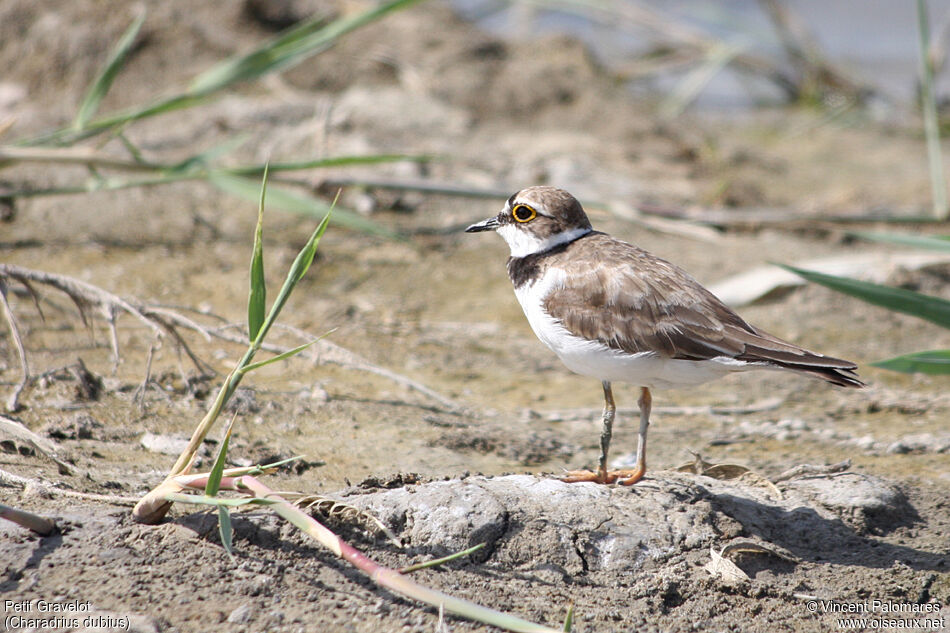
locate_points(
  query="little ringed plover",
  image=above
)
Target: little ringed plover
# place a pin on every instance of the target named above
(612, 311)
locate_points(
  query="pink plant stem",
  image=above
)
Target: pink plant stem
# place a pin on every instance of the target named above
(383, 576)
(200, 481)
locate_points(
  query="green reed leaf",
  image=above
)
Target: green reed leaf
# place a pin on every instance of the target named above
(257, 297)
(217, 471)
(226, 530)
(569, 619)
(293, 202)
(102, 84)
(930, 242)
(284, 356)
(936, 362)
(933, 309)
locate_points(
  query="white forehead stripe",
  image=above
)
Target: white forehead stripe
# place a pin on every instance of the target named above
(523, 242)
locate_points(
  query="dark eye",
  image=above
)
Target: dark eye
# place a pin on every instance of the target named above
(523, 213)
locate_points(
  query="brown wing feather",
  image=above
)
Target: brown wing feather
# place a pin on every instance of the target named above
(654, 306)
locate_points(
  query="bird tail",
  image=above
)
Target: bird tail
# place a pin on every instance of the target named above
(842, 376)
(762, 347)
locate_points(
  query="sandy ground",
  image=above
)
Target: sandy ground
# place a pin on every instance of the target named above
(437, 307)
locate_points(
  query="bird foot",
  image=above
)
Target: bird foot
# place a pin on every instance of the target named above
(623, 477)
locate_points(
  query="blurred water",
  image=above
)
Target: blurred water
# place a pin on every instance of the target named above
(874, 41)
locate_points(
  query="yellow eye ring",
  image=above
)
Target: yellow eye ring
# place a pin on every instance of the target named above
(523, 213)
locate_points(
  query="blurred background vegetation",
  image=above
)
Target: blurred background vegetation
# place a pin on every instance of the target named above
(726, 64)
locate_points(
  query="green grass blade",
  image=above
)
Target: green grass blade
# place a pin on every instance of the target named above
(280, 53)
(226, 530)
(69, 136)
(569, 619)
(202, 160)
(257, 296)
(295, 203)
(205, 500)
(262, 467)
(305, 257)
(99, 88)
(280, 357)
(933, 309)
(936, 362)
(275, 54)
(930, 242)
(441, 561)
(217, 471)
(297, 270)
(287, 49)
(131, 148)
(337, 161)
(250, 189)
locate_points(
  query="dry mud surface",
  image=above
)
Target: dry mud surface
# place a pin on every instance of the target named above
(470, 463)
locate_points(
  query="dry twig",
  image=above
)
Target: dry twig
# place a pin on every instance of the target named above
(10, 479)
(806, 470)
(85, 296)
(326, 352)
(13, 402)
(34, 522)
(162, 320)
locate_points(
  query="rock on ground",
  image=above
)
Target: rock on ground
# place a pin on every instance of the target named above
(534, 522)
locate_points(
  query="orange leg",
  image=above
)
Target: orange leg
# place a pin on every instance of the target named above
(625, 477)
(646, 403)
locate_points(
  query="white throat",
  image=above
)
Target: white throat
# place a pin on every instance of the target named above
(523, 243)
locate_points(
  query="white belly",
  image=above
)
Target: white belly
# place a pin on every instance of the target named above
(591, 358)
